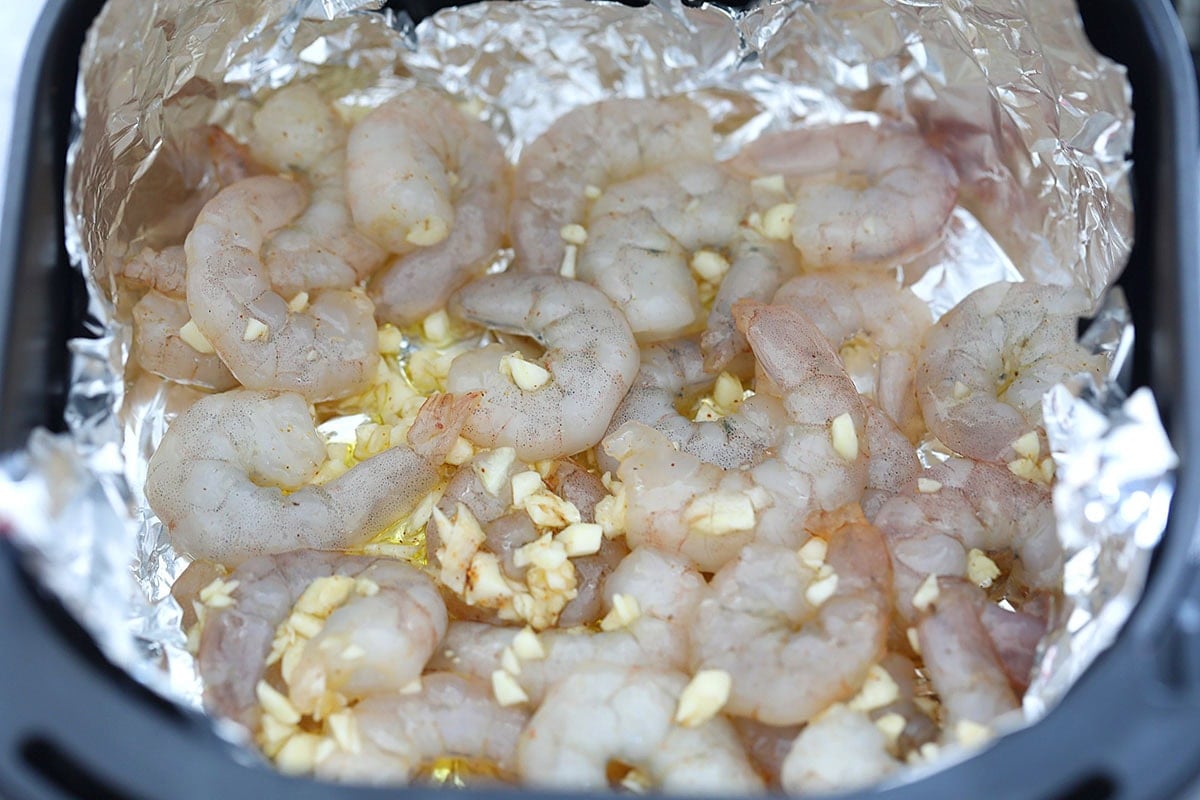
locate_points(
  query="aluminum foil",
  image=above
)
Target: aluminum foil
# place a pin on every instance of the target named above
(1037, 124)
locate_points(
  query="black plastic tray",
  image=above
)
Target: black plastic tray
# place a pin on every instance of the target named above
(73, 726)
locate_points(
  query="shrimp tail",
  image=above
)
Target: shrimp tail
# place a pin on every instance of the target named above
(439, 422)
(231, 158)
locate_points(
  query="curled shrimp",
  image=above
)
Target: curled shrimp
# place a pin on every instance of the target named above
(642, 233)
(296, 129)
(160, 348)
(452, 716)
(323, 350)
(987, 363)
(630, 720)
(672, 371)
(666, 591)
(970, 505)
(862, 193)
(793, 649)
(590, 355)
(678, 503)
(961, 659)
(399, 613)
(228, 479)
(877, 326)
(893, 468)
(840, 750)
(595, 146)
(431, 185)
(163, 271)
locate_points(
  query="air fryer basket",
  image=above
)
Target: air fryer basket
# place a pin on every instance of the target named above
(73, 726)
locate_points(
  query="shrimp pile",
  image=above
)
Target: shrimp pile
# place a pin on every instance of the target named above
(642, 510)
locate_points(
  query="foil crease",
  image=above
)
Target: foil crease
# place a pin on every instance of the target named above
(1037, 124)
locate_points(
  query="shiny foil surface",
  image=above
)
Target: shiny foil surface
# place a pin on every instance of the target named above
(1037, 124)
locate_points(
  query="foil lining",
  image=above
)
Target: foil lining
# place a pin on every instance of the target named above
(1037, 124)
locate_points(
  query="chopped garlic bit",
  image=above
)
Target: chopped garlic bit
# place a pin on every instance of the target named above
(219, 593)
(961, 390)
(276, 704)
(777, 221)
(255, 330)
(971, 734)
(506, 689)
(412, 687)
(461, 539)
(436, 327)
(194, 339)
(703, 697)
(823, 587)
(981, 570)
(299, 754)
(569, 262)
(527, 645)
(926, 594)
(391, 340)
(928, 486)
(812, 553)
(1032, 470)
(878, 690)
(592, 192)
(709, 265)
(428, 231)
(573, 234)
(705, 412)
(492, 468)
(485, 584)
(526, 375)
(524, 486)
(460, 453)
(325, 594)
(728, 392)
(720, 513)
(344, 728)
(544, 552)
(770, 183)
(298, 303)
(1028, 446)
(625, 610)
(844, 436)
(581, 539)
(510, 662)
(914, 641)
(891, 725)
(548, 510)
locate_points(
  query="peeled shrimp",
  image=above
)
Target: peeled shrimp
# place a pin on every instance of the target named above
(163, 270)
(678, 503)
(595, 146)
(590, 354)
(671, 371)
(159, 347)
(960, 658)
(327, 349)
(893, 468)
(642, 233)
(863, 194)
(970, 505)
(838, 751)
(789, 656)
(451, 716)
(431, 185)
(228, 479)
(987, 363)
(402, 621)
(666, 590)
(877, 326)
(298, 130)
(629, 714)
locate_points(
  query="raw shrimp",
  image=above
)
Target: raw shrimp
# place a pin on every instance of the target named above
(766, 745)
(324, 350)
(403, 620)
(159, 347)
(228, 480)
(790, 655)
(960, 658)
(629, 714)
(672, 371)
(987, 363)
(163, 270)
(297, 130)
(431, 185)
(666, 590)
(642, 233)
(970, 505)
(863, 193)
(680, 504)
(595, 146)
(452, 716)
(838, 751)
(590, 354)
(757, 268)
(876, 325)
(893, 467)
